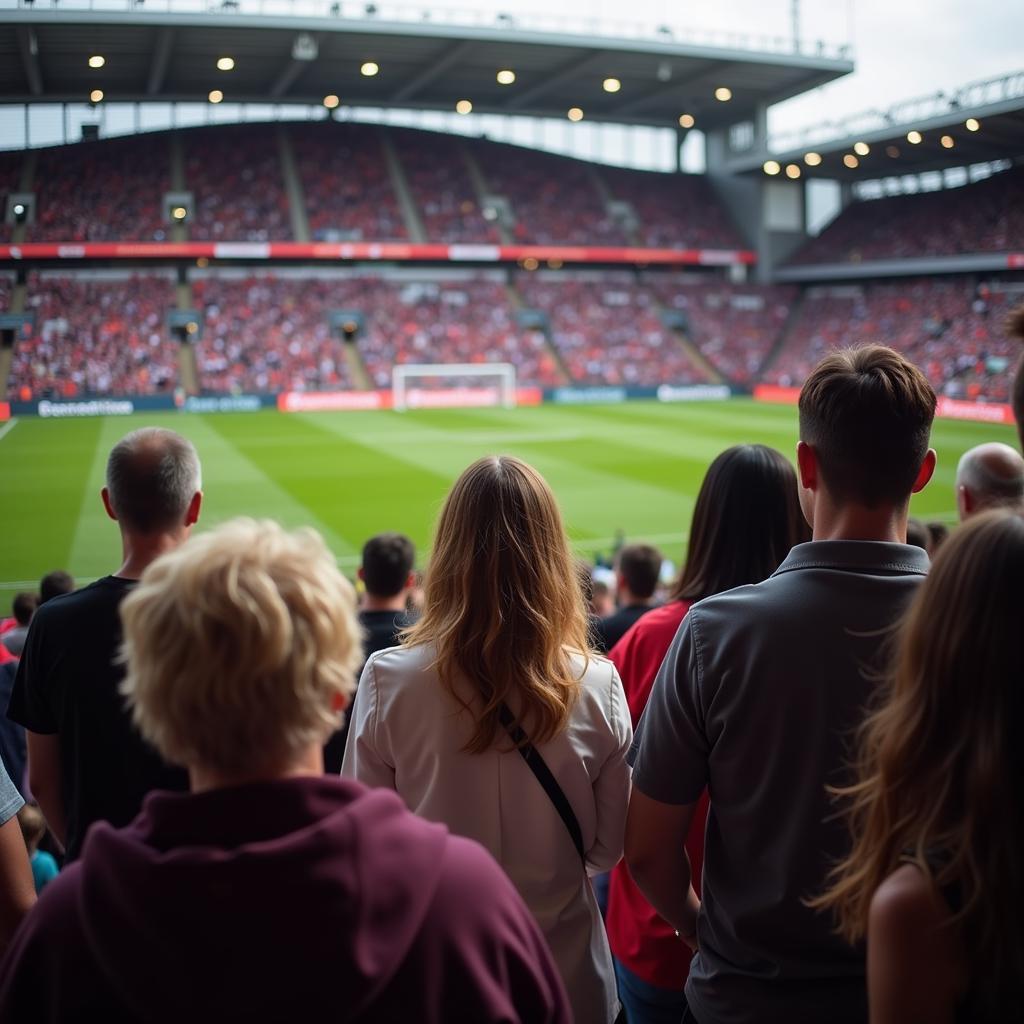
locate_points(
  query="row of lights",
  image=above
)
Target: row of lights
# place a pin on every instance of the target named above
(852, 160)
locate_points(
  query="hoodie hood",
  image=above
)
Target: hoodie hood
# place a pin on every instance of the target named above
(222, 904)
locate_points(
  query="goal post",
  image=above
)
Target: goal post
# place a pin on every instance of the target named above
(470, 384)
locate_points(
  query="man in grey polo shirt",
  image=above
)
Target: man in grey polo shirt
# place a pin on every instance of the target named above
(758, 699)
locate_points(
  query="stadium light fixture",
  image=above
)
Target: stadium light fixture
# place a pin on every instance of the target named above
(771, 167)
(530, 263)
(892, 151)
(861, 148)
(812, 159)
(611, 85)
(574, 114)
(19, 209)
(914, 137)
(555, 264)
(723, 94)
(202, 262)
(369, 68)
(215, 96)
(506, 76)
(972, 124)
(947, 142)
(464, 107)
(179, 213)
(225, 63)
(851, 161)
(96, 96)
(97, 61)
(792, 171)
(687, 120)
(331, 101)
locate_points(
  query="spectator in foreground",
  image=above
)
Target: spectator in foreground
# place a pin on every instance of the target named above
(55, 584)
(934, 879)
(86, 761)
(638, 567)
(495, 672)
(33, 829)
(24, 607)
(755, 700)
(271, 891)
(989, 476)
(17, 892)
(746, 519)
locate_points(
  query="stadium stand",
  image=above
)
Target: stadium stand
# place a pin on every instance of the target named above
(951, 327)
(95, 336)
(6, 286)
(608, 330)
(234, 173)
(266, 333)
(110, 190)
(987, 216)
(345, 179)
(10, 175)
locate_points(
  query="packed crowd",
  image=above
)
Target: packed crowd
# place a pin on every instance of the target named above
(986, 216)
(346, 183)
(10, 179)
(952, 327)
(95, 336)
(771, 774)
(608, 330)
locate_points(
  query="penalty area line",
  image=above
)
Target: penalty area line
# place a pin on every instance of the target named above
(7, 428)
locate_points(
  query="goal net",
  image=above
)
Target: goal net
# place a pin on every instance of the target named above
(451, 385)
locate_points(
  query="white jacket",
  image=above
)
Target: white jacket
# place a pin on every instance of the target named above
(408, 734)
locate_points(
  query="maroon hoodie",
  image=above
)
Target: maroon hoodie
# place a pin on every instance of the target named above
(276, 901)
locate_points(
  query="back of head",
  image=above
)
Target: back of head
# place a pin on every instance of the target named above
(746, 519)
(867, 413)
(502, 600)
(992, 474)
(640, 566)
(152, 476)
(1015, 327)
(241, 647)
(24, 607)
(54, 584)
(388, 559)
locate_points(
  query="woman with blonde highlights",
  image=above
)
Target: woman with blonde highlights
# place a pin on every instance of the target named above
(935, 878)
(504, 627)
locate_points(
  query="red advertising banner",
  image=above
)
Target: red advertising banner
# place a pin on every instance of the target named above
(416, 398)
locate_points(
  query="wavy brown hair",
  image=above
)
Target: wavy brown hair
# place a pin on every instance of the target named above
(503, 608)
(941, 759)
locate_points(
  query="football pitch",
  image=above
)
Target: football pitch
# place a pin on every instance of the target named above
(635, 467)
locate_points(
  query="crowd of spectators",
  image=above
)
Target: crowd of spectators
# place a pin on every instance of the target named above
(608, 330)
(952, 327)
(95, 337)
(986, 216)
(235, 176)
(264, 333)
(346, 182)
(10, 179)
(6, 286)
(102, 191)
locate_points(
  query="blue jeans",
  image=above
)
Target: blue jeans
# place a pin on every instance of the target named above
(646, 1003)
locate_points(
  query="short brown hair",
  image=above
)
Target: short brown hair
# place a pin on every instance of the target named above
(640, 566)
(867, 412)
(388, 559)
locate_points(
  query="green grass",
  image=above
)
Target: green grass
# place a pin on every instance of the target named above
(636, 467)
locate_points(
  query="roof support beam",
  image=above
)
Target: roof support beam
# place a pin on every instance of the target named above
(431, 71)
(28, 47)
(561, 77)
(161, 58)
(286, 78)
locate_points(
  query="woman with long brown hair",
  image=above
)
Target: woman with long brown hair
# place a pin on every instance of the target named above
(935, 876)
(494, 685)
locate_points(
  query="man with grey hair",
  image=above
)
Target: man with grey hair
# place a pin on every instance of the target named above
(86, 760)
(989, 476)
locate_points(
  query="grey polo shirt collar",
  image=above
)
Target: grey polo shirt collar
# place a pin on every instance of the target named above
(870, 556)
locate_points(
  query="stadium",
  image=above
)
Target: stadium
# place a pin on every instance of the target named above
(347, 249)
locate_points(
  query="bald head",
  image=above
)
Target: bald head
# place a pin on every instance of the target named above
(990, 476)
(153, 477)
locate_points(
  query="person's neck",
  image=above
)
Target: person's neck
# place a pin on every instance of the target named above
(856, 522)
(372, 603)
(309, 763)
(139, 551)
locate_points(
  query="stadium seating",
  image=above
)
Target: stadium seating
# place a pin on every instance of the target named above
(951, 327)
(95, 337)
(100, 191)
(608, 330)
(10, 178)
(6, 287)
(987, 216)
(347, 186)
(234, 173)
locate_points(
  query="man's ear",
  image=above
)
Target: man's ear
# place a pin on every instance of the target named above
(410, 582)
(925, 473)
(807, 466)
(105, 495)
(192, 515)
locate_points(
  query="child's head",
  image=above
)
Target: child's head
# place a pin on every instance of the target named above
(33, 826)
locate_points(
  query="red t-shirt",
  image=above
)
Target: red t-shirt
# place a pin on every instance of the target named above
(640, 938)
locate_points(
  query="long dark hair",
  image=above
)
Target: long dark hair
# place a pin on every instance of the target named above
(746, 519)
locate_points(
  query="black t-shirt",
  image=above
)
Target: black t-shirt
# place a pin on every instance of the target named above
(67, 684)
(612, 629)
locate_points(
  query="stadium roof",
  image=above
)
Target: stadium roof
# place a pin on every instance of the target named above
(299, 51)
(981, 122)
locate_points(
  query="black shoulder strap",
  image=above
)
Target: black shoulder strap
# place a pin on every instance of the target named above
(543, 774)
